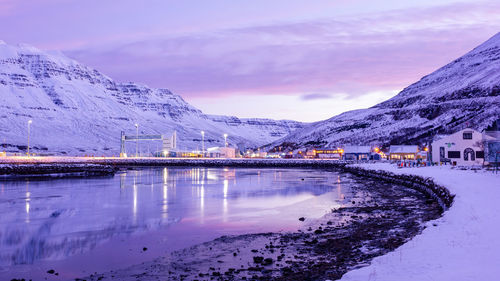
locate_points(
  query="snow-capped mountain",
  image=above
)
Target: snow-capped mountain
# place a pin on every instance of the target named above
(465, 92)
(77, 110)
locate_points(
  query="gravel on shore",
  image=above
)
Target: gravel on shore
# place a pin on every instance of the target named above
(55, 170)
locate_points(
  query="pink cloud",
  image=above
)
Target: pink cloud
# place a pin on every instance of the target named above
(349, 55)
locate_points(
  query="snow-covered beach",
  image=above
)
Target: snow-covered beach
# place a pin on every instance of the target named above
(461, 245)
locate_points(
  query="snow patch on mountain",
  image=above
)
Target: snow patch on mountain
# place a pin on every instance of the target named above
(463, 93)
(78, 110)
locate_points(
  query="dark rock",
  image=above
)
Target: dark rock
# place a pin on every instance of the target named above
(267, 261)
(258, 259)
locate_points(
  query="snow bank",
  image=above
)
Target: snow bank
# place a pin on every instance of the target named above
(464, 244)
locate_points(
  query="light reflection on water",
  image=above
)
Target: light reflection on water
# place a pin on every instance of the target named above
(55, 220)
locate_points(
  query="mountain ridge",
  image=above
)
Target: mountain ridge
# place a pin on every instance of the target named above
(463, 93)
(78, 110)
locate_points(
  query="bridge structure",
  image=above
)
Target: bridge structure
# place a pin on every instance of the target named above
(168, 142)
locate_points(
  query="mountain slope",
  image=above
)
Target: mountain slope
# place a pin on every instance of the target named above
(466, 92)
(77, 110)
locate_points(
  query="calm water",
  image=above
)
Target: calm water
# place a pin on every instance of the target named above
(79, 226)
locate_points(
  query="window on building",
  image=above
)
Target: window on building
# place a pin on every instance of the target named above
(480, 154)
(467, 135)
(453, 154)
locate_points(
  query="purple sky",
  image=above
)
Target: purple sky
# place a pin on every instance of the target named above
(303, 60)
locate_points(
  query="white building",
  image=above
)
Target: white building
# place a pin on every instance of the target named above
(464, 147)
(221, 152)
(357, 152)
(403, 152)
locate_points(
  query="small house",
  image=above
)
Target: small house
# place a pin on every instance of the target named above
(403, 152)
(464, 147)
(221, 152)
(491, 140)
(352, 152)
(329, 153)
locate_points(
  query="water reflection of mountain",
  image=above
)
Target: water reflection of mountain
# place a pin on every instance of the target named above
(60, 218)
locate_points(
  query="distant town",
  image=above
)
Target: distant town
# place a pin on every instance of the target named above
(467, 147)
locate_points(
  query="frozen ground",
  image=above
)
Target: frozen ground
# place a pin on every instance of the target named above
(464, 244)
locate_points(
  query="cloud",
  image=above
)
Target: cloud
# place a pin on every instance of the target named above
(308, 97)
(353, 55)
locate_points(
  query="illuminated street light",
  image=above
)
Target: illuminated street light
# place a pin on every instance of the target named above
(136, 140)
(29, 126)
(225, 140)
(203, 143)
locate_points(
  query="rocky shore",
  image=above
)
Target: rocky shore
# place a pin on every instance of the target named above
(347, 238)
(221, 162)
(21, 171)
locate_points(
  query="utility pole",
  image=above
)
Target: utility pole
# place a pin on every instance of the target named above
(225, 140)
(203, 143)
(136, 140)
(29, 125)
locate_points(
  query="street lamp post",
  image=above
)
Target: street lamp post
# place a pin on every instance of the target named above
(225, 140)
(136, 140)
(203, 143)
(29, 126)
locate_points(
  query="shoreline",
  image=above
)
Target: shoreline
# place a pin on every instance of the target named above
(320, 250)
(197, 162)
(319, 231)
(53, 170)
(464, 246)
(92, 166)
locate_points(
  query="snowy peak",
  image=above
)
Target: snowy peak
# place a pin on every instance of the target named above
(465, 92)
(25, 50)
(78, 110)
(492, 43)
(478, 69)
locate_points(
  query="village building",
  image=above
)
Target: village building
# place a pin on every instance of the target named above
(309, 154)
(275, 155)
(352, 152)
(492, 144)
(492, 149)
(465, 147)
(328, 153)
(221, 152)
(403, 152)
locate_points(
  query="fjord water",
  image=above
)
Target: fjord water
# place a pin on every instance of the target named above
(79, 226)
